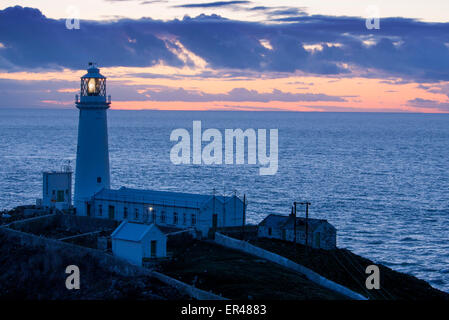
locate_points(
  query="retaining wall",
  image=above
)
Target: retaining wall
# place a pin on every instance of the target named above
(273, 257)
(35, 224)
(187, 289)
(75, 223)
(83, 224)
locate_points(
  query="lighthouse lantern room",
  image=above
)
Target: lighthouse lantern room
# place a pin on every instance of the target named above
(92, 157)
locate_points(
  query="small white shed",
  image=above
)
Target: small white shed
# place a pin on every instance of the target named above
(135, 241)
(57, 189)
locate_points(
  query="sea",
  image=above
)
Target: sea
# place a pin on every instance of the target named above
(382, 179)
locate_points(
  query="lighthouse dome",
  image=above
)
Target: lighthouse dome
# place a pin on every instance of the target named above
(93, 72)
(93, 86)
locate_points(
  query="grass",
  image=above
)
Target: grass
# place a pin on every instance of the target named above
(35, 273)
(237, 275)
(348, 269)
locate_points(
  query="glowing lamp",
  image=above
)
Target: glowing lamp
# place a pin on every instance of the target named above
(93, 83)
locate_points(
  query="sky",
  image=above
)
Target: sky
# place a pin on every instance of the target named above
(229, 55)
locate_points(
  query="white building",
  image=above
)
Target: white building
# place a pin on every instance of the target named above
(180, 210)
(136, 241)
(321, 234)
(92, 155)
(57, 189)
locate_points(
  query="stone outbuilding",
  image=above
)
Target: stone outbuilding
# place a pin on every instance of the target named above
(321, 234)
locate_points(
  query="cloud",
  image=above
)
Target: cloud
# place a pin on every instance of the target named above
(277, 11)
(141, 2)
(440, 88)
(215, 4)
(20, 93)
(431, 104)
(33, 41)
(153, 1)
(403, 48)
(38, 93)
(236, 95)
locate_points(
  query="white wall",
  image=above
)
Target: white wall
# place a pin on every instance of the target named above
(161, 245)
(231, 216)
(134, 251)
(326, 234)
(92, 157)
(130, 251)
(54, 182)
(144, 214)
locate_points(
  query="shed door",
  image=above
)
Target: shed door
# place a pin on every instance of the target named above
(153, 248)
(283, 234)
(111, 210)
(214, 220)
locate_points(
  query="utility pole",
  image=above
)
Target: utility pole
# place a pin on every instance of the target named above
(307, 204)
(294, 223)
(244, 216)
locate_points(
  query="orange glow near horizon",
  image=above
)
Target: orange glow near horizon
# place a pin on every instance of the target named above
(361, 94)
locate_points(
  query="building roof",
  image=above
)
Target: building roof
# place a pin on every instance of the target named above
(287, 222)
(131, 231)
(190, 200)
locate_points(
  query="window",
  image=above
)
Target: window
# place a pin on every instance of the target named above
(100, 210)
(184, 219)
(125, 213)
(98, 179)
(136, 214)
(175, 218)
(163, 216)
(60, 196)
(193, 219)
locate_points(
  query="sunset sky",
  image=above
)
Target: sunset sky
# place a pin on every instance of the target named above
(229, 55)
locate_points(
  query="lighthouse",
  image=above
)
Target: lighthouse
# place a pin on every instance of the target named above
(92, 154)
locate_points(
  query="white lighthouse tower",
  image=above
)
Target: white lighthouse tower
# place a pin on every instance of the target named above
(92, 155)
